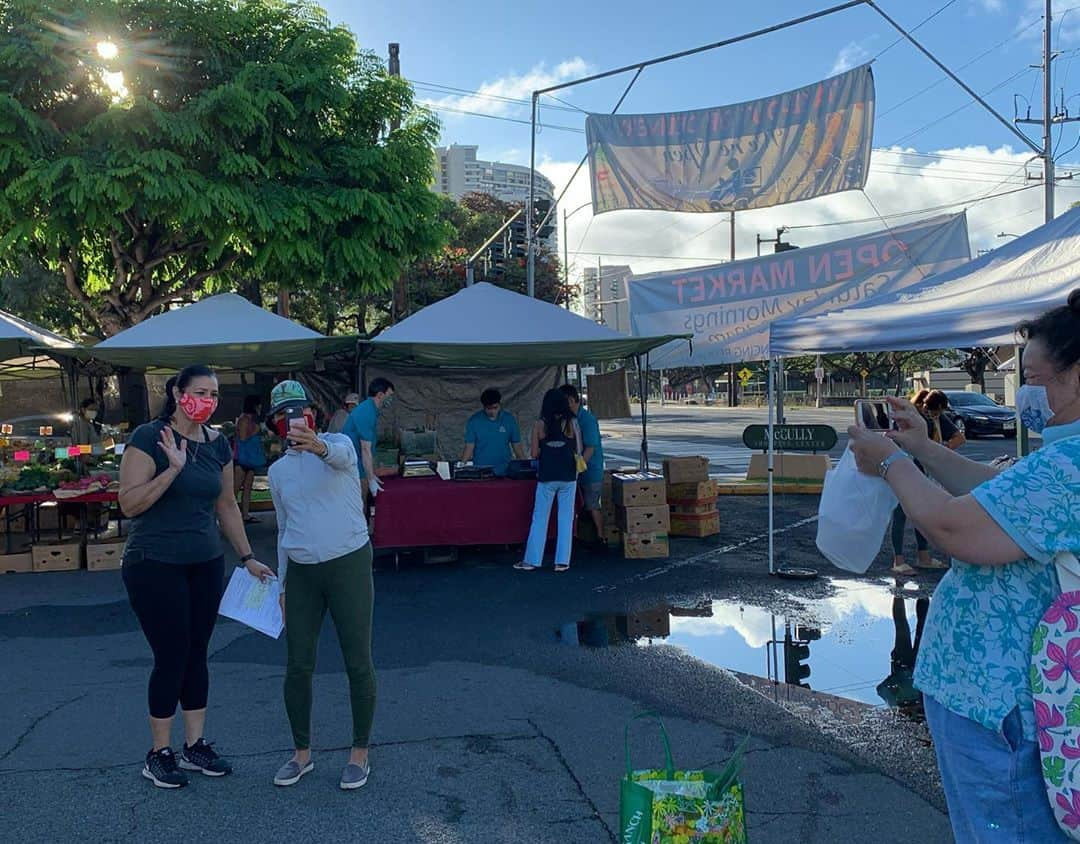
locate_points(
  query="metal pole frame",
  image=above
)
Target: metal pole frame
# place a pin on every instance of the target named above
(643, 462)
(772, 388)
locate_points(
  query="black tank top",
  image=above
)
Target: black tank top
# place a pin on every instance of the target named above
(557, 461)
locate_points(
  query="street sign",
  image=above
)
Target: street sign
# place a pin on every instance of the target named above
(819, 373)
(588, 370)
(864, 372)
(745, 375)
(790, 437)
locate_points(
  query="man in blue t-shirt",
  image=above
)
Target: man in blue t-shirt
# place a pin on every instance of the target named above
(492, 434)
(591, 481)
(362, 428)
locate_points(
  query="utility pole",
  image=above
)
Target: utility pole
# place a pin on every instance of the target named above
(1049, 117)
(401, 294)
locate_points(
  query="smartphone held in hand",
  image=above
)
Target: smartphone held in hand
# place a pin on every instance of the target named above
(873, 415)
(294, 418)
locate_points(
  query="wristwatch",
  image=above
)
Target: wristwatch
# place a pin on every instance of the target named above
(247, 557)
(883, 466)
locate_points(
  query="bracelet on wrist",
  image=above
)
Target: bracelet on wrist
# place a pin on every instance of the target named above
(886, 464)
(246, 558)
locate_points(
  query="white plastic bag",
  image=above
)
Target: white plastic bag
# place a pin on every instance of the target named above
(853, 515)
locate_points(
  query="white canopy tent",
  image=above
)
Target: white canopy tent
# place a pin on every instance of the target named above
(225, 332)
(976, 304)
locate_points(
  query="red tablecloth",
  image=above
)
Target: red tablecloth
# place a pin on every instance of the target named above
(424, 512)
(42, 497)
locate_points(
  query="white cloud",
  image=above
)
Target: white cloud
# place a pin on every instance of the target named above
(900, 181)
(495, 97)
(994, 6)
(1066, 21)
(850, 56)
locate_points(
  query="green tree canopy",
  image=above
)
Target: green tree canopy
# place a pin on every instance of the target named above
(150, 149)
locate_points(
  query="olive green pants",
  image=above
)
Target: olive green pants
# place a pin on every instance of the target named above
(345, 587)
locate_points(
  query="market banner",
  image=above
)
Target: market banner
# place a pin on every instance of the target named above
(729, 307)
(788, 147)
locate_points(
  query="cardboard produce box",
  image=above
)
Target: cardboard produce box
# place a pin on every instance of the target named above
(691, 492)
(652, 519)
(641, 489)
(17, 562)
(686, 470)
(652, 624)
(105, 556)
(698, 526)
(693, 508)
(644, 546)
(57, 556)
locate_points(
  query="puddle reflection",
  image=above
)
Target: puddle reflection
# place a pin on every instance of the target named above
(860, 643)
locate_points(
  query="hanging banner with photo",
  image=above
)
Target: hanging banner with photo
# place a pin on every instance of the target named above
(729, 307)
(785, 148)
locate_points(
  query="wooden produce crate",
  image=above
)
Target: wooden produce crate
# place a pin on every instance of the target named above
(105, 556)
(653, 623)
(612, 534)
(645, 546)
(693, 508)
(706, 524)
(686, 470)
(651, 519)
(641, 489)
(57, 556)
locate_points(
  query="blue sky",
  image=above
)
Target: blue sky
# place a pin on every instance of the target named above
(506, 49)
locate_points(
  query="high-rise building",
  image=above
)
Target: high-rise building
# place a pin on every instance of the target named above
(605, 296)
(458, 172)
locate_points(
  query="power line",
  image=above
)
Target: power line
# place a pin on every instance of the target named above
(925, 20)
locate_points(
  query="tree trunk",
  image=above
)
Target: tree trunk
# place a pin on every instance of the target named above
(134, 404)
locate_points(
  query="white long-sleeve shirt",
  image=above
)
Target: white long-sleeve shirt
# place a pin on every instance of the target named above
(320, 509)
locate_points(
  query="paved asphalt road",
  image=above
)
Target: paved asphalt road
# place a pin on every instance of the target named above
(488, 728)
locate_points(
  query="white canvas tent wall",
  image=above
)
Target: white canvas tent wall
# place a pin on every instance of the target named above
(976, 304)
(225, 332)
(487, 336)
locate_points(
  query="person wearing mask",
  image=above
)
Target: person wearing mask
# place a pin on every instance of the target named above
(591, 481)
(341, 415)
(362, 428)
(1007, 526)
(556, 446)
(248, 455)
(492, 435)
(324, 563)
(176, 487)
(84, 427)
(940, 428)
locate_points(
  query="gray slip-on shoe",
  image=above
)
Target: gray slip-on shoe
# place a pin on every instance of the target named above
(290, 772)
(354, 776)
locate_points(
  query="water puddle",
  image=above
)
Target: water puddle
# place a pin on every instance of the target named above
(860, 643)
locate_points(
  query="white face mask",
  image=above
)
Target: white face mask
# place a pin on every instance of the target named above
(91, 415)
(1034, 407)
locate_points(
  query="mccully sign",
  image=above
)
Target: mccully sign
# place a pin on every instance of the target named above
(790, 437)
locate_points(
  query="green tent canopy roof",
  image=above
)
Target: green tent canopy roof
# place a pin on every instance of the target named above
(488, 326)
(224, 332)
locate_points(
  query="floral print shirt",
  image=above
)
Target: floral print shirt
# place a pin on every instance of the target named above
(975, 656)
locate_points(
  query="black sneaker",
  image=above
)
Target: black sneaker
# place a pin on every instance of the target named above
(161, 770)
(201, 756)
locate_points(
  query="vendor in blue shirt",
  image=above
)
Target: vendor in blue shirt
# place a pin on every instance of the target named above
(362, 428)
(591, 481)
(492, 434)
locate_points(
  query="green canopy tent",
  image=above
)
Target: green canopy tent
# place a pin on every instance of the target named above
(29, 351)
(487, 328)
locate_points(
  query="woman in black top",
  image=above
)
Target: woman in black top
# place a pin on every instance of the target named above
(176, 485)
(556, 444)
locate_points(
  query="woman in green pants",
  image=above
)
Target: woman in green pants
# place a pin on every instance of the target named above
(324, 563)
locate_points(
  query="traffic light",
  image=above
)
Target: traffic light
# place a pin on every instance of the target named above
(541, 207)
(516, 240)
(781, 246)
(795, 652)
(497, 258)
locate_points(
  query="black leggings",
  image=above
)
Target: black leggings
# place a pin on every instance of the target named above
(899, 522)
(177, 607)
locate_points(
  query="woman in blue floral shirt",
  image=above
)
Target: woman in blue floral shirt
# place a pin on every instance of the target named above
(1003, 531)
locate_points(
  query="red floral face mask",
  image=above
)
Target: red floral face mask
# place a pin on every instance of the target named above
(198, 409)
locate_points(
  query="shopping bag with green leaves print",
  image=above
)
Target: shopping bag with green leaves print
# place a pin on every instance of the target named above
(671, 806)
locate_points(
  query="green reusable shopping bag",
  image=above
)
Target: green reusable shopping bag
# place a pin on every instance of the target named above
(670, 806)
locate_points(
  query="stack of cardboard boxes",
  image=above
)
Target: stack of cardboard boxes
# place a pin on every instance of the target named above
(641, 513)
(691, 497)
